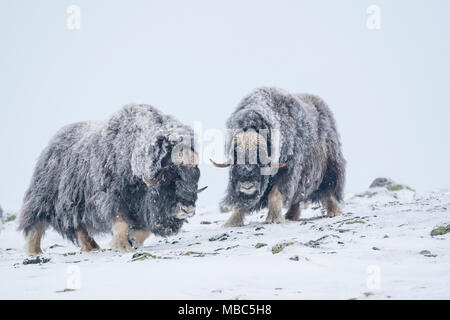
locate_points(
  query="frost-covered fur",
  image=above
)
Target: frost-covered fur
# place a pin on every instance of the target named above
(309, 145)
(92, 173)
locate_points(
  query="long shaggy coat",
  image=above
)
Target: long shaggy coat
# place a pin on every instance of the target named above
(92, 173)
(309, 145)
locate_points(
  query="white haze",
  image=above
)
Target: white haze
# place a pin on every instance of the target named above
(196, 59)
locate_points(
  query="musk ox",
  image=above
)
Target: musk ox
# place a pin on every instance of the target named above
(133, 174)
(283, 149)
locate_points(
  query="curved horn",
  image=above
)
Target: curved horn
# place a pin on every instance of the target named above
(220, 165)
(151, 182)
(279, 165)
(202, 189)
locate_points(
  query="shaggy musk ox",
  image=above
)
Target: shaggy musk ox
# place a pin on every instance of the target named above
(283, 149)
(133, 174)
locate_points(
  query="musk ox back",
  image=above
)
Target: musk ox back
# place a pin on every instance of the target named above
(283, 149)
(133, 174)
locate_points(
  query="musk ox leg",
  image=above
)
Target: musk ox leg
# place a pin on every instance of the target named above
(87, 242)
(137, 237)
(293, 213)
(332, 206)
(34, 239)
(236, 219)
(275, 200)
(120, 236)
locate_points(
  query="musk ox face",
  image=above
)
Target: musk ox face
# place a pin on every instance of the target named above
(174, 193)
(248, 159)
(186, 190)
(248, 182)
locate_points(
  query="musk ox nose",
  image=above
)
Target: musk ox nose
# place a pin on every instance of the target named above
(186, 212)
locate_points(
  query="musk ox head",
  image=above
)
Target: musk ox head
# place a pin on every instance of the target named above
(250, 168)
(171, 187)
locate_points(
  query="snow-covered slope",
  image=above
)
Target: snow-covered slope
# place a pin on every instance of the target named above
(380, 247)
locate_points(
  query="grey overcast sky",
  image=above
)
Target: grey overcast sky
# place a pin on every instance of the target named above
(195, 59)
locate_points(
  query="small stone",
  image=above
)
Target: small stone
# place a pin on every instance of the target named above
(37, 260)
(220, 237)
(65, 290)
(260, 245)
(55, 246)
(193, 244)
(356, 221)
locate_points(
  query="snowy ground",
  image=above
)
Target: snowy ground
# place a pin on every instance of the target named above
(381, 247)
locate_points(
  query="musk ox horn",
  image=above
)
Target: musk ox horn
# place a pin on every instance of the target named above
(279, 165)
(202, 189)
(220, 165)
(151, 182)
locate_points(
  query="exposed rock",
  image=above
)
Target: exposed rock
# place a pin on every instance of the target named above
(389, 184)
(355, 221)
(381, 182)
(280, 247)
(441, 230)
(315, 243)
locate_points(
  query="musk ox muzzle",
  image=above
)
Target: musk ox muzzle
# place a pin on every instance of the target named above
(185, 212)
(247, 188)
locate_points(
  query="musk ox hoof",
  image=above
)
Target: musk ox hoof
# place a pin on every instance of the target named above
(233, 224)
(121, 245)
(275, 219)
(89, 248)
(291, 218)
(236, 219)
(138, 237)
(333, 214)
